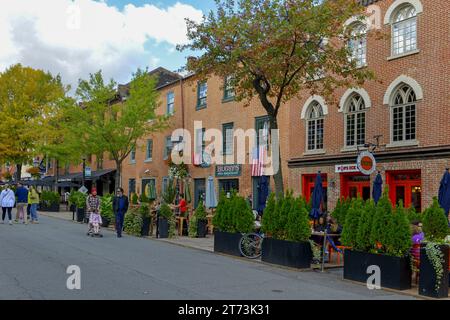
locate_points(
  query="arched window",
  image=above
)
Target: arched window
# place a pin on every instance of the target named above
(315, 119)
(404, 114)
(404, 30)
(355, 121)
(358, 43)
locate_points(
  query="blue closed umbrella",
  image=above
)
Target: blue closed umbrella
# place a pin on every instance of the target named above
(211, 197)
(444, 192)
(377, 188)
(263, 193)
(317, 198)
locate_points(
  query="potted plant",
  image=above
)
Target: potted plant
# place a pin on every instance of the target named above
(165, 220)
(106, 210)
(434, 254)
(286, 223)
(233, 217)
(377, 236)
(144, 211)
(80, 202)
(133, 222)
(49, 201)
(198, 225)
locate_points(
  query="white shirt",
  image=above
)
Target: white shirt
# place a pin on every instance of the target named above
(7, 198)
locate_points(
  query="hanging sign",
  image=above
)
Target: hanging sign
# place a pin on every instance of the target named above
(366, 163)
(347, 168)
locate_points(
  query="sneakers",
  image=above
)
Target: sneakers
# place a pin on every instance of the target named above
(2, 222)
(10, 223)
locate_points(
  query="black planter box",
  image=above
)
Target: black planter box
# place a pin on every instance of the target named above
(395, 272)
(287, 253)
(202, 228)
(427, 280)
(54, 207)
(80, 214)
(226, 242)
(163, 228)
(145, 230)
(105, 222)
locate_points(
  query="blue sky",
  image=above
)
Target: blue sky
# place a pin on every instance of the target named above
(76, 37)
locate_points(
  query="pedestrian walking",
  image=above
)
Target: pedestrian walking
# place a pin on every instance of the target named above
(33, 201)
(22, 203)
(7, 201)
(120, 208)
(92, 203)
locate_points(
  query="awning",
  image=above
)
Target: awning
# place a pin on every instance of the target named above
(100, 173)
(68, 184)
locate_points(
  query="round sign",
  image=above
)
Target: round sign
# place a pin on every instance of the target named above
(366, 163)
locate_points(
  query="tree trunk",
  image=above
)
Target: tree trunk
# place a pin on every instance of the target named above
(18, 172)
(278, 176)
(118, 174)
(56, 175)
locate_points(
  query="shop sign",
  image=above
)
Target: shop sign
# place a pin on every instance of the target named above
(366, 163)
(347, 168)
(229, 170)
(88, 172)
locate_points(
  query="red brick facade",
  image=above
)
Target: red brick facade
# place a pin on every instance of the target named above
(426, 71)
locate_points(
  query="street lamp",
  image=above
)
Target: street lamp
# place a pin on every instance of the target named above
(84, 171)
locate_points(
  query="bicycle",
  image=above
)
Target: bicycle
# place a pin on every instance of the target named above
(250, 245)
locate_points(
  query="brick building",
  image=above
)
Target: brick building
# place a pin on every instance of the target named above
(405, 110)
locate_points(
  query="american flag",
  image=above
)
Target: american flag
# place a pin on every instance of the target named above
(258, 157)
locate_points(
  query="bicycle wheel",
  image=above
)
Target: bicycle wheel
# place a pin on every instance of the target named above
(250, 245)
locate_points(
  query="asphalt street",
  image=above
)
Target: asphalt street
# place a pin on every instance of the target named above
(34, 260)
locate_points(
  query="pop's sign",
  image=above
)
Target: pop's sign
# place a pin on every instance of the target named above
(366, 163)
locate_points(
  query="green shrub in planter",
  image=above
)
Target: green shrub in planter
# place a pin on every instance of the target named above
(233, 215)
(352, 221)
(133, 222)
(413, 215)
(381, 223)
(298, 228)
(340, 211)
(49, 197)
(398, 239)
(267, 223)
(363, 242)
(166, 212)
(435, 223)
(106, 207)
(199, 215)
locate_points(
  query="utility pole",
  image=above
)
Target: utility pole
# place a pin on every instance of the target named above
(84, 172)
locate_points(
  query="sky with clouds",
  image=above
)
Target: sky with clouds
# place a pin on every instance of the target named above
(78, 37)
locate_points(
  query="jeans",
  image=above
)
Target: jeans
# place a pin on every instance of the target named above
(33, 212)
(9, 213)
(119, 222)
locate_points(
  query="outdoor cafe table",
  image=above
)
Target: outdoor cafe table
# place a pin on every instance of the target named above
(324, 235)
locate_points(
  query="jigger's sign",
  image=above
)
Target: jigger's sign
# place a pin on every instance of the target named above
(366, 163)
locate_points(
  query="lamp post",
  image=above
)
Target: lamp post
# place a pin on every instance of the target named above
(84, 172)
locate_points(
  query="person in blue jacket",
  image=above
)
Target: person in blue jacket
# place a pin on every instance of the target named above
(120, 207)
(22, 204)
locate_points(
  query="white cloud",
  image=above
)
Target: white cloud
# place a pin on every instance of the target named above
(74, 38)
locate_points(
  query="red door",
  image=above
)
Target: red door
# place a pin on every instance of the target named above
(405, 186)
(308, 181)
(355, 185)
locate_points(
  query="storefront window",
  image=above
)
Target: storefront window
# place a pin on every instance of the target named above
(405, 186)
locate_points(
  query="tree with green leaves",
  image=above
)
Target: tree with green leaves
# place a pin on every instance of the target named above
(298, 228)
(275, 50)
(399, 233)
(27, 98)
(340, 211)
(435, 223)
(103, 124)
(381, 223)
(352, 220)
(363, 242)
